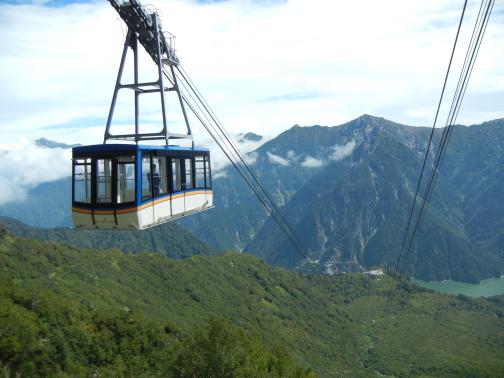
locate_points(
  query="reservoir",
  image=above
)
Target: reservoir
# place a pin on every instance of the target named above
(486, 288)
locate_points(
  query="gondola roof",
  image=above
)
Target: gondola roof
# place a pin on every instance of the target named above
(117, 147)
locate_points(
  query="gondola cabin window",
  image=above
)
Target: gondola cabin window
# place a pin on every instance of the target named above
(82, 180)
(199, 171)
(159, 176)
(176, 176)
(125, 179)
(208, 173)
(146, 179)
(104, 181)
(188, 174)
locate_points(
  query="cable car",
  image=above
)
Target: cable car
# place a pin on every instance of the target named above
(136, 186)
(121, 186)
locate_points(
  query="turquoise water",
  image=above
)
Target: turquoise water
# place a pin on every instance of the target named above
(486, 288)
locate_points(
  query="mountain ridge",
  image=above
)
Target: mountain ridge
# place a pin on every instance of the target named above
(376, 143)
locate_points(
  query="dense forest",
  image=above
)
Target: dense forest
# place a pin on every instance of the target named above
(169, 239)
(76, 312)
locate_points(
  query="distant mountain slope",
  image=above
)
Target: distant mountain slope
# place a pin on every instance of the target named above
(168, 239)
(249, 137)
(355, 210)
(47, 205)
(96, 306)
(347, 191)
(238, 215)
(284, 164)
(47, 143)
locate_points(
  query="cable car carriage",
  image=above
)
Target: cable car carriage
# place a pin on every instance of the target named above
(120, 186)
(136, 186)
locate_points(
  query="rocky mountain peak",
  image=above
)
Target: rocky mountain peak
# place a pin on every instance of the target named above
(46, 143)
(249, 137)
(367, 121)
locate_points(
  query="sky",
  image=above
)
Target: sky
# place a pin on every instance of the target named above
(263, 65)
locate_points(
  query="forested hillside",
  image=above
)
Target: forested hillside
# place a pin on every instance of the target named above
(47, 205)
(168, 239)
(76, 312)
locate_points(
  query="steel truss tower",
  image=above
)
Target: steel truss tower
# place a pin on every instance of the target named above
(145, 27)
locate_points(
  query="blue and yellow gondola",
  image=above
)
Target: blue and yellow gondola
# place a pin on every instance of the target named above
(131, 186)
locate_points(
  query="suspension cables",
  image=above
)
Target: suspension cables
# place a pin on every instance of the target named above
(430, 140)
(469, 61)
(202, 111)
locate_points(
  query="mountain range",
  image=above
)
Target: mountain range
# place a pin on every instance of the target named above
(346, 192)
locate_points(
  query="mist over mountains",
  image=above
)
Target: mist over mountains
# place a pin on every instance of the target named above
(346, 191)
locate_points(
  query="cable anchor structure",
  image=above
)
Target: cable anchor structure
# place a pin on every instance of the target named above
(145, 28)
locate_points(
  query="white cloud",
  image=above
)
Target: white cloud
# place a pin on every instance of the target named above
(24, 166)
(311, 162)
(251, 157)
(219, 159)
(390, 62)
(291, 155)
(218, 175)
(276, 159)
(340, 152)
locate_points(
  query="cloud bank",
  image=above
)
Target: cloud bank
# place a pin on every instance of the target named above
(311, 162)
(339, 152)
(24, 166)
(277, 159)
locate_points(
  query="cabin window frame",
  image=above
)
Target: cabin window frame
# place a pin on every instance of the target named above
(208, 171)
(107, 178)
(147, 175)
(163, 176)
(184, 160)
(199, 183)
(180, 187)
(115, 169)
(89, 163)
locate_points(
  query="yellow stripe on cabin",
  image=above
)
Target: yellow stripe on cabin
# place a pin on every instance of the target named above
(141, 207)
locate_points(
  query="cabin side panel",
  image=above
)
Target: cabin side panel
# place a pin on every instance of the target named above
(124, 221)
(146, 216)
(162, 209)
